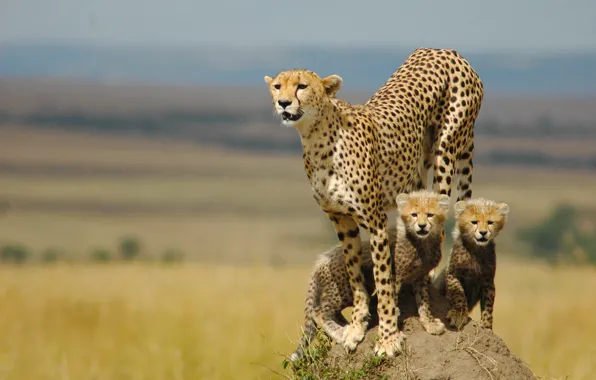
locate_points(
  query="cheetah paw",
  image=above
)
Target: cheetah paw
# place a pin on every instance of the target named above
(391, 345)
(352, 335)
(434, 327)
(457, 319)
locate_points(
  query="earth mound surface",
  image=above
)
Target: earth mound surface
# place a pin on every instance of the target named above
(470, 354)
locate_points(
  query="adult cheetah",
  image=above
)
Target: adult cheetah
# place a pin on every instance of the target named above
(358, 158)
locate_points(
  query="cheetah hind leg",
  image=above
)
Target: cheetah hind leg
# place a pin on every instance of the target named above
(330, 325)
(431, 324)
(464, 167)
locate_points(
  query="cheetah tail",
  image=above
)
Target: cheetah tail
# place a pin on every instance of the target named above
(313, 299)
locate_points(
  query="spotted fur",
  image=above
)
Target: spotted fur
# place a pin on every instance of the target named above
(358, 158)
(418, 249)
(420, 236)
(329, 293)
(469, 277)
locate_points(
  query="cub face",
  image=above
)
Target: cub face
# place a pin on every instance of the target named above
(423, 212)
(480, 220)
(297, 94)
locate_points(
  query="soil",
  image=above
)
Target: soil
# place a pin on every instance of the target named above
(470, 354)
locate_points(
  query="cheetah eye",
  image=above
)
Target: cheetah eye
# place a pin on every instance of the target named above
(277, 86)
(490, 222)
(414, 215)
(474, 222)
(302, 86)
(430, 215)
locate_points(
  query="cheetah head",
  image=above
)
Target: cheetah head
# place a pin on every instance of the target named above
(298, 94)
(422, 213)
(479, 220)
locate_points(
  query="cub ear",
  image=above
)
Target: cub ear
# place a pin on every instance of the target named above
(401, 200)
(459, 207)
(332, 84)
(503, 208)
(444, 202)
(268, 80)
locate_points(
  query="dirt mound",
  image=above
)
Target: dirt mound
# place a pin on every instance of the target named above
(473, 353)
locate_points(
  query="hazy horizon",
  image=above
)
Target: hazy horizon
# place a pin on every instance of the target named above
(464, 25)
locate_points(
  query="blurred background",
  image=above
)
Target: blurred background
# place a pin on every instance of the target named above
(156, 221)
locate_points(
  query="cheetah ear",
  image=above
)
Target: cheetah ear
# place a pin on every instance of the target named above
(401, 200)
(459, 207)
(503, 208)
(268, 80)
(444, 202)
(332, 84)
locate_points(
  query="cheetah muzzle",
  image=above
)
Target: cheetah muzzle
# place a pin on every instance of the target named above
(286, 116)
(481, 240)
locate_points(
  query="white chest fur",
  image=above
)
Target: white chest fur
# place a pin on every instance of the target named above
(330, 191)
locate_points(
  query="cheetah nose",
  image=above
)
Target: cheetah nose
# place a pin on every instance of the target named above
(284, 103)
(483, 233)
(421, 225)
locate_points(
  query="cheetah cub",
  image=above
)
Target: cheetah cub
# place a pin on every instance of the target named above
(329, 293)
(470, 274)
(419, 239)
(420, 235)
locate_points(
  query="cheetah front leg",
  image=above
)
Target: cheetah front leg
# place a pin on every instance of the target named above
(487, 301)
(458, 311)
(390, 340)
(431, 324)
(349, 236)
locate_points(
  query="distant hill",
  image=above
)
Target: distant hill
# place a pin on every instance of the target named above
(538, 110)
(562, 74)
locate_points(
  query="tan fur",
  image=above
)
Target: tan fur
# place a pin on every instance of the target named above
(420, 236)
(329, 289)
(470, 274)
(329, 293)
(359, 158)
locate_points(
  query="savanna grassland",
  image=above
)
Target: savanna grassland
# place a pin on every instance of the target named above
(249, 231)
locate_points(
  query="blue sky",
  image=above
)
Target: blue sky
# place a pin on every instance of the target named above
(546, 25)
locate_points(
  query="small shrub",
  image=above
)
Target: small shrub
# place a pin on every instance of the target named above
(312, 365)
(130, 248)
(171, 256)
(14, 253)
(277, 261)
(563, 236)
(50, 255)
(101, 255)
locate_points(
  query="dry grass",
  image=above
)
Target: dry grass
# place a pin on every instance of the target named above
(136, 322)
(214, 322)
(546, 316)
(197, 321)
